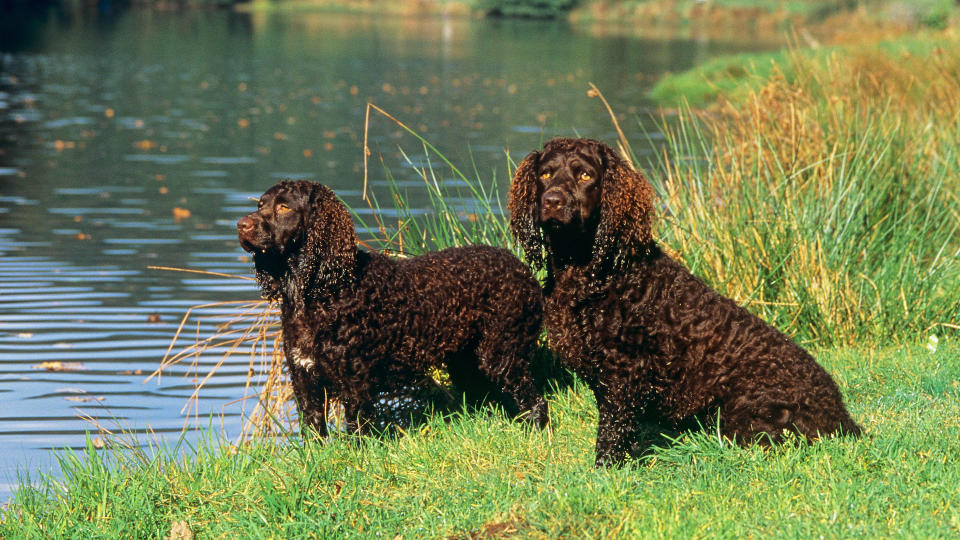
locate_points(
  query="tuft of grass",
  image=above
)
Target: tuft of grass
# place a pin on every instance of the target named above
(729, 75)
(470, 475)
(461, 210)
(827, 201)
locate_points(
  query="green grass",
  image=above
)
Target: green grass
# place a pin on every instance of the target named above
(731, 75)
(481, 473)
(462, 210)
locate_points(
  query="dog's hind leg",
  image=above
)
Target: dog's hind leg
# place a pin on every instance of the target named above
(467, 378)
(507, 366)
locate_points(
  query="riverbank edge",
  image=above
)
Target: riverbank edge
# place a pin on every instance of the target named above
(650, 15)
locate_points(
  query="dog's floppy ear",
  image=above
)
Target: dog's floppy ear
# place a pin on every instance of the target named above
(331, 241)
(626, 223)
(523, 209)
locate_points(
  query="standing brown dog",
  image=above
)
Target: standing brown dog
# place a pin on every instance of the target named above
(658, 347)
(358, 324)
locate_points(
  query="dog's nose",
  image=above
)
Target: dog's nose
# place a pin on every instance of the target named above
(552, 199)
(245, 224)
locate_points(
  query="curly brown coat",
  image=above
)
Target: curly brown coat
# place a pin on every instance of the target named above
(357, 325)
(659, 348)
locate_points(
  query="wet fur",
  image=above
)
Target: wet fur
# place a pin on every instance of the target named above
(660, 349)
(358, 325)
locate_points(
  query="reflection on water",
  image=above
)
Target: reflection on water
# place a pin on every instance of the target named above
(137, 138)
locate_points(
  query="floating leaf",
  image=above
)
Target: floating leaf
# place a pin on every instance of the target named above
(145, 144)
(180, 214)
(60, 366)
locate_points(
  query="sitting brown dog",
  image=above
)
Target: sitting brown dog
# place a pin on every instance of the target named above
(658, 347)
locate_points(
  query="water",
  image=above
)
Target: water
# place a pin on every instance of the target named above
(115, 126)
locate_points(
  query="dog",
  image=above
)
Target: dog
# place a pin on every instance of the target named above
(660, 349)
(357, 324)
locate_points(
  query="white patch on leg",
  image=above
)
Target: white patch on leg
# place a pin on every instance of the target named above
(300, 359)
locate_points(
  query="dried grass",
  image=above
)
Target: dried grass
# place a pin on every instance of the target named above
(250, 330)
(826, 201)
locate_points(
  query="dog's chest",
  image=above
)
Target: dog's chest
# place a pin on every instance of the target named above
(298, 344)
(580, 326)
(609, 326)
(301, 334)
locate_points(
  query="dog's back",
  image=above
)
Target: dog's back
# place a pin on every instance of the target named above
(437, 303)
(699, 353)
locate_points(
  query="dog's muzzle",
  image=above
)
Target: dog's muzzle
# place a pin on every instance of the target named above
(247, 234)
(555, 207)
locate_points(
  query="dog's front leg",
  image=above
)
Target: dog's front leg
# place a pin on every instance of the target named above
(614, 430)
(312, 396)
(313, 403)
(358, 415)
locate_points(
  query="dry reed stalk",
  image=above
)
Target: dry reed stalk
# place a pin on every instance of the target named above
(252, 328)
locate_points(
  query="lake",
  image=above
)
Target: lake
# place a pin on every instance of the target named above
(131, 139)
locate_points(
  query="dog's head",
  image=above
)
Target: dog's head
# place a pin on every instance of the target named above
(301, 237)
(580, 191)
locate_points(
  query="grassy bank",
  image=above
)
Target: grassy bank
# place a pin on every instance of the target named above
(758, 15)
(876, 40)
(481, 475)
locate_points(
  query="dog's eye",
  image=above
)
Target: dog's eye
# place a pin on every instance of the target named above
(546, 176)
(585, 177)
(282, 209)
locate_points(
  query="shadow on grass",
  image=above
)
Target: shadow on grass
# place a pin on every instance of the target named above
(407, 408)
